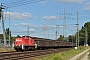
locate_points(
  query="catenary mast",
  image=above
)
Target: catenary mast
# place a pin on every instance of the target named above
(2, 20)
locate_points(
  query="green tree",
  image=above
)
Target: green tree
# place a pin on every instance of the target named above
(82, 34)
(61, 38)
(1, 36)
(7, 35)
(71, 38)
(7, 31)
(18, 36)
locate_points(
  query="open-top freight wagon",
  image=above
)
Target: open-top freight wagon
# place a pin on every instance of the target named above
(32, 43)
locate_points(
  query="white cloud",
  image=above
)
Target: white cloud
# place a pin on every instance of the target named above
(26, 30)
(52, 17)
(17, 16)
(49, 17)
(88, 3)
(42, 2)
(87, 6)
(70, 1)
(15, 24)
(23, 31)
(24, 24)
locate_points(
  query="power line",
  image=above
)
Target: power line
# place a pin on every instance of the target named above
(21, 3)
(64, 18)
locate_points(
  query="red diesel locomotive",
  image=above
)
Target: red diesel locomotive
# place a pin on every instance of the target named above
(28, 43)
(24, 43)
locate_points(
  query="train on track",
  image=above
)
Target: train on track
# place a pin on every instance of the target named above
(32, 43)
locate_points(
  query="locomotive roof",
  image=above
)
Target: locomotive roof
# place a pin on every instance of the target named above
(37, 38)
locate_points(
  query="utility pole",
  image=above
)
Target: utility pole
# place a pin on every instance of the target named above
(28, 28)
(28, 33)
(9, 30)
(77, 30)
(56, 34)
(86, 35)
(57, 26)
(64, 21)
(2, 20)
(44, 28)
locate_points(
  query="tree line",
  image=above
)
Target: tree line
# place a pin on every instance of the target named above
(84, 35)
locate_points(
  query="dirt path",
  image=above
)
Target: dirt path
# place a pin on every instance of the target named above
(85, 57)
(78, 55)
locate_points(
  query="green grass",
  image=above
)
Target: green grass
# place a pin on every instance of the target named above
(82, 55)
(6, 49)
(64, 55)
(89, 55)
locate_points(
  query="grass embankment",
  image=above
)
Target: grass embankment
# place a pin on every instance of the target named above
(6, 49)
(83, 55)
(89, 55)
(64, 55)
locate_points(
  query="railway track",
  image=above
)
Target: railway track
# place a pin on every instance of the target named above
(29, 55)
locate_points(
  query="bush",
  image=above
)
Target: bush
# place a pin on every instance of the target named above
(57, 57)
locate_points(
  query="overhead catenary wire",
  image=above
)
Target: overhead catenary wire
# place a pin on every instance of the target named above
(24, 3)
(21, 3)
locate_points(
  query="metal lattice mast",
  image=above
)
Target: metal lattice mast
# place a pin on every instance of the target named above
(64, 23)
(86, 35)
(65, 17)
(77, 30)
(2, 20)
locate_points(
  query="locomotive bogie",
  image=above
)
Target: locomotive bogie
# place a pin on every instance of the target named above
(18, 48)
(24, 48)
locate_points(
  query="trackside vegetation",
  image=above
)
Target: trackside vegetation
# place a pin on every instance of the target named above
(84, 34)
(6, 50)
(82, 55)
(66, 55)
(89, 55)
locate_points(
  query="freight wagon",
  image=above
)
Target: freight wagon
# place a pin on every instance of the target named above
(32, 43)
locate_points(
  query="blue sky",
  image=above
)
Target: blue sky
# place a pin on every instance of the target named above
(45, 14)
